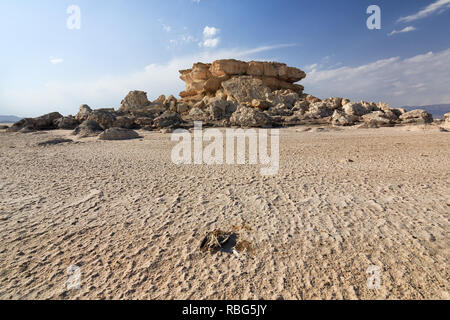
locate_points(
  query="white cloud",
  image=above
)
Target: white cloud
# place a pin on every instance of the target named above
(209, 32)
(210, 43)
(209, 37)
(404, 30)
(420, 80)
(56, 60)
(437, 6)
(166, 28)
(108, 91)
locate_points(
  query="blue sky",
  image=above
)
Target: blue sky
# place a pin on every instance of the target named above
(140, 44)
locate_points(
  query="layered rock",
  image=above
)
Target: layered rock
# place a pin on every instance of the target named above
(207, 79)
(416, 117)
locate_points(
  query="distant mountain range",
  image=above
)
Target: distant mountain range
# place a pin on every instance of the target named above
(437, 110)
(9, 119)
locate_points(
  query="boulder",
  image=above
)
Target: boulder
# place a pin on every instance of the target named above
(143, 122)
(67, 123)
(118, 134)
(46, 122)
(447, 117)
(340, 118)
(287, 97)
(83, 113)
(379, 118)
(167, 120)
(245, 89)
(104, 118)
(355, 109)
(301, 106)
(151, 111)
(416, 117)
(197, 114)
(124, 122)
(281, 110)
(320, 110)
(88, 128)
(249, 117)
(134, 100)
(334, 103)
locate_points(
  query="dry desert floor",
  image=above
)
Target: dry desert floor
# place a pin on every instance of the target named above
(132, 221)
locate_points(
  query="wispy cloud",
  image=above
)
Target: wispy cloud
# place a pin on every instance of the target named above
(56, 60)
(419, 80)
(404, 30)
(437, 6)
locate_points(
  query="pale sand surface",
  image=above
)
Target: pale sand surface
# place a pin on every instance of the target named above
(133, 221)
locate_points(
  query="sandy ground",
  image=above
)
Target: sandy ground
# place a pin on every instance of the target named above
(133, 221)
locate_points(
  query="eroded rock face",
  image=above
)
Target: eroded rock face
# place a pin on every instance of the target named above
(207, 79)
(245, 89)
(134, 100)
(416, 117)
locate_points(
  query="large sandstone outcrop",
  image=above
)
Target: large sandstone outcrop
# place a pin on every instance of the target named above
(207, 79)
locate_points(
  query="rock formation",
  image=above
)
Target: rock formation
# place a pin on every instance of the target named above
(447, 117)
(226, 76)
(228, 93)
